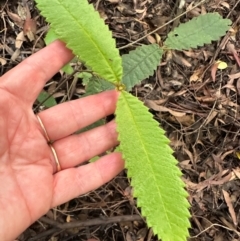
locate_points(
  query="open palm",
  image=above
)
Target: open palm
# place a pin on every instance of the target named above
(29, 182)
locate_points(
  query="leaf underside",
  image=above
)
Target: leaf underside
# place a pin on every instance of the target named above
(197, 32)
(140, 64)
(80, 26)
(152, 169)
(47, 99)
(96, 85)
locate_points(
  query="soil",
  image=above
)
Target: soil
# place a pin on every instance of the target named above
(200, 118)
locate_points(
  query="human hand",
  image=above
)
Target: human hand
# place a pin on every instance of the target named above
(29, 183)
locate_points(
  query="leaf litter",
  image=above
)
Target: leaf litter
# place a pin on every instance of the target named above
(196, 104)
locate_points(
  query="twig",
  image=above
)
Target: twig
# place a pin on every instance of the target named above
(58, 87)
(45, 234)
(59, 227)
(92, 222)
(217, 225)
(226, 37)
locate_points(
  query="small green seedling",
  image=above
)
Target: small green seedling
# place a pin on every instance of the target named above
(151, 166)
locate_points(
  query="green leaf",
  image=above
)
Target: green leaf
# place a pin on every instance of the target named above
(197, 32)
(152, 169)
(49, 38)
(117, 149)
(67, 69)
(97, 85)
(85, 76)
(81, 28)
(50, 102)
(94, 159)
(140, 64)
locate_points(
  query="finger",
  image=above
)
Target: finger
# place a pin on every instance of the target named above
(73, 182)
(76, 149)
(28, 78)
(66, 118)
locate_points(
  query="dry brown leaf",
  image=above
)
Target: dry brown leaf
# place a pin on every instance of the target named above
(68, 218)
(210, 117)
(228, 103)
(197, 75)
(225, 4)
(231, 48)
(168, 55)
(235, 173)
(141, 234)
(238, 86)
(181, 4)
(214, 69)
(222, 180)
(180, 93)
(160, 101)
(141, 10)
(158, 38)
(152, 105)
(8, 49)
(15, 55)
(206, 99)
(219, 236)
(186, 120)
(3, 61)
(175, 84)
(114, 1)
(203, 9)
(59, 94)
(228, 224)
(125, 9)
(193, 10)
(30, 28)
(212, 180)
(192, 54)
(129, 236)
(202, 185)
(234, 76)
(180, 60)
(225, 154)
(102, 14)
(230, 82)
(190, 155)
(16, 19)
(230, 206)
(189, 184)
(186, 165)
(151, 39)
(159, 20)
(19, 40)
(23, 12)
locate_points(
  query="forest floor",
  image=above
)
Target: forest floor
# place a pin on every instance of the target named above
(200, 116)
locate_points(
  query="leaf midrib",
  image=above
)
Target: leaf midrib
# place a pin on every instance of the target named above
(135, 66)
(165, 212)
(89, 36)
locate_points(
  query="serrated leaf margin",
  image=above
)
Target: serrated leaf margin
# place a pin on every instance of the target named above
(139, 64)
(139, 146)
(85, 34)
(197, 32)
